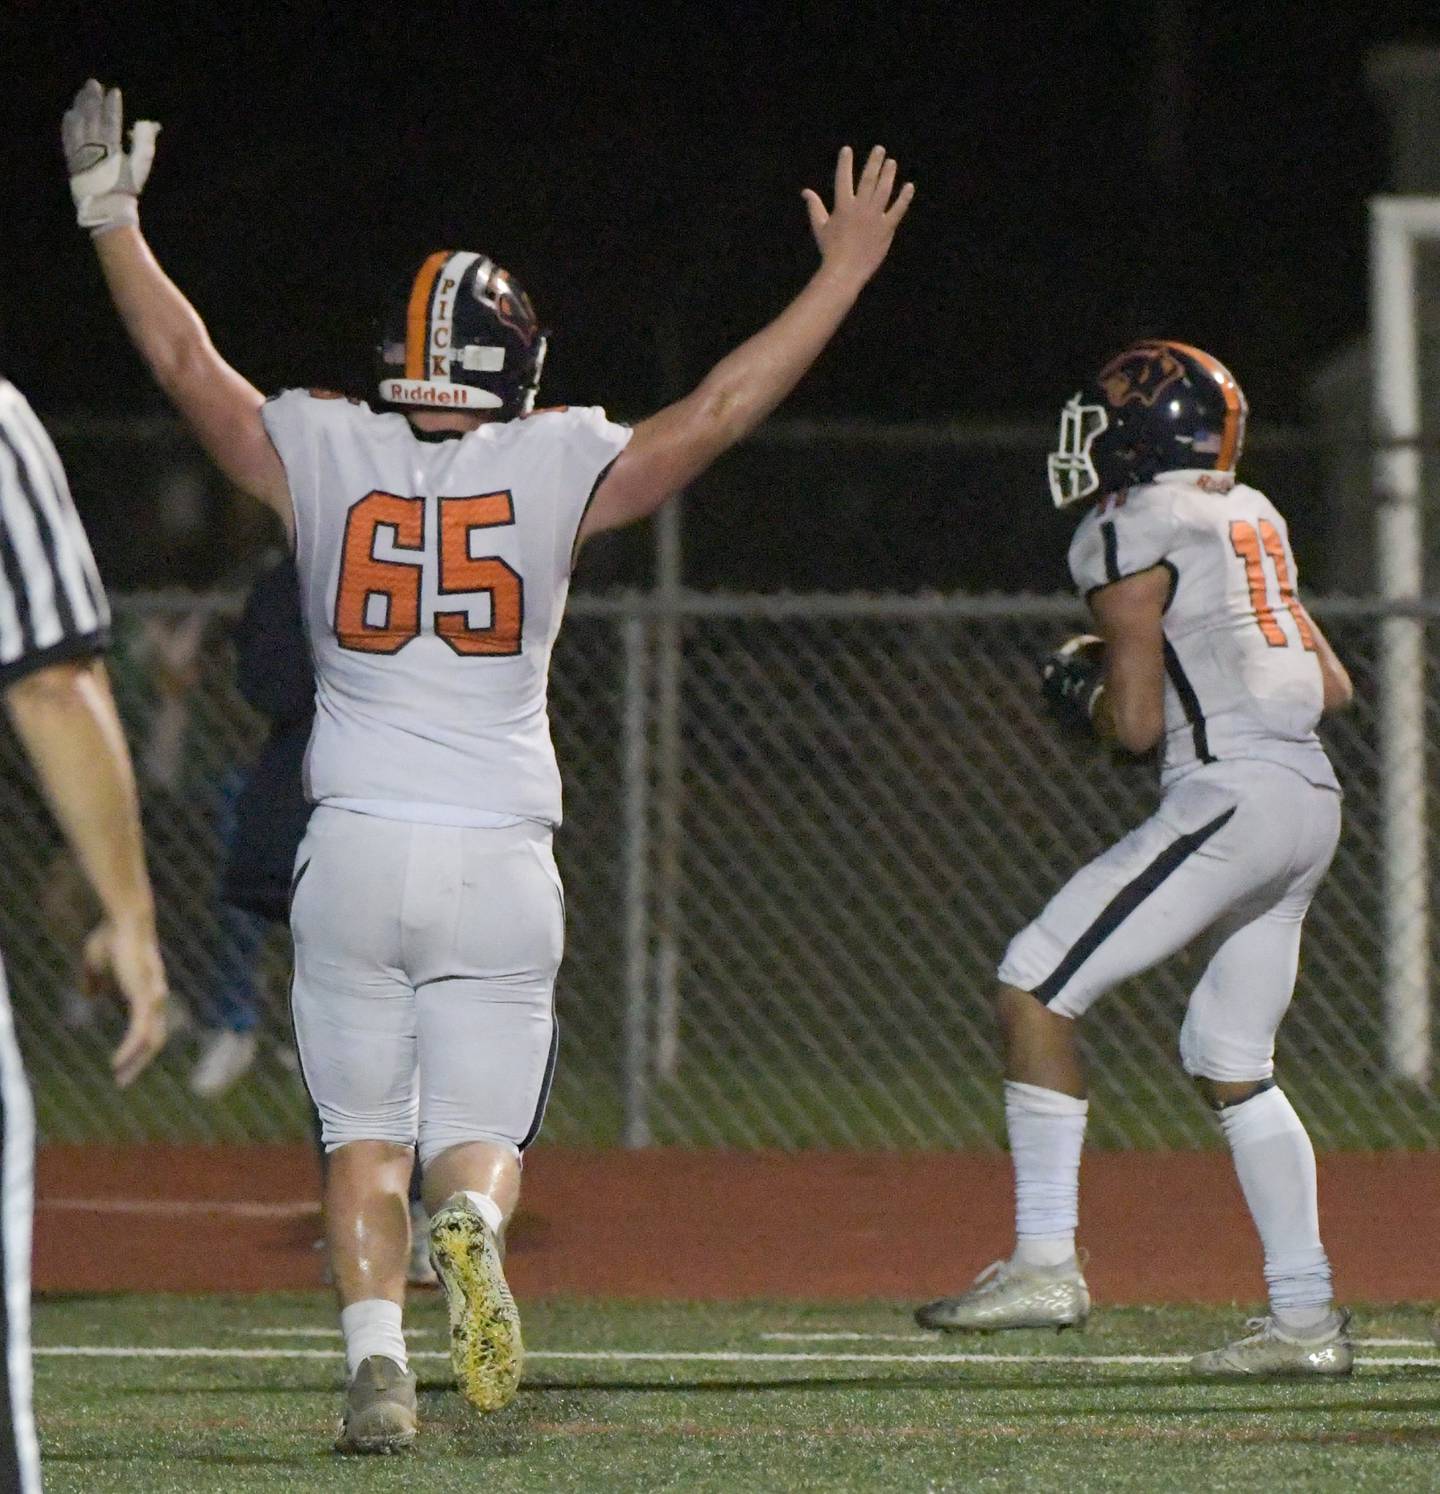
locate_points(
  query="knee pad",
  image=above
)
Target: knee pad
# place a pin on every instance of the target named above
(1209, 1050)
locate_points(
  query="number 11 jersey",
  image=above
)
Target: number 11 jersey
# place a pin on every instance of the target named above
(433, 577)
(1242, 677)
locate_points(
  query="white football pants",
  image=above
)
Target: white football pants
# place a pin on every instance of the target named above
(1234, 853)
(425, 963)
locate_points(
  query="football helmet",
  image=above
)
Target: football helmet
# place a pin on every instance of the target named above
(1157, 407)
(462, 335)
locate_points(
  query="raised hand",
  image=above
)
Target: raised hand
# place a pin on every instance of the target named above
(105, 179)
(854, 235)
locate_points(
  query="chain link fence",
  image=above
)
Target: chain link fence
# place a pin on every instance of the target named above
(790, 874)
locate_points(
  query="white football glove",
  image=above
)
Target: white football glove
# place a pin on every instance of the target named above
(105, 179)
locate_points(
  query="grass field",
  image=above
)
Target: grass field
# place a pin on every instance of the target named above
(236, 1394)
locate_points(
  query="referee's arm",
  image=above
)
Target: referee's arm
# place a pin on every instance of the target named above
(54, 622)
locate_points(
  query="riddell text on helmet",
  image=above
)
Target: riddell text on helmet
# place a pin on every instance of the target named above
(419, 392)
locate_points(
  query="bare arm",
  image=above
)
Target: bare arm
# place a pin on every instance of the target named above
(219, 405)
(672, 448)
(1130, 615)
(1339, 690)
(65, 717)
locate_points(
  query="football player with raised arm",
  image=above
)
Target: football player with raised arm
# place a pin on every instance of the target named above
(1206, 651)
(54, 628)
(434, 537)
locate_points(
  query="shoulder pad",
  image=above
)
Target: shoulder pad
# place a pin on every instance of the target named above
(333, 394)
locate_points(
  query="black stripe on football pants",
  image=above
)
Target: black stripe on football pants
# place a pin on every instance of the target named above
(1125, 902)
(545, 1083)
(1189, 703)
(19, 1451)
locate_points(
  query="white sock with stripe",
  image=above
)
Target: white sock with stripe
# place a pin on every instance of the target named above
(1047, 1131)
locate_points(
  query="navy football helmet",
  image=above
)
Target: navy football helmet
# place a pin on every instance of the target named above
(462, 335)
(1159, 406)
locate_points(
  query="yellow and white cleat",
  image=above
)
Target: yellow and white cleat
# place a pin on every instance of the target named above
(1268, 1350)
(485, 1346)
(1007, 1295)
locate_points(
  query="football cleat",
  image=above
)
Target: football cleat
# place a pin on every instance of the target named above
(1269, 1350)
(380, 1414)
(1007, 1295)
(485, 1346)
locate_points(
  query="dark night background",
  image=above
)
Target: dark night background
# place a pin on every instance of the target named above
(1085, 174)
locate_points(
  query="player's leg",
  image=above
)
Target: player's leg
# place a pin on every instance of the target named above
(354, 1018)
(419, 1271)
(487, 1051)
(19, 1451)
(1227, 1044)
(1140, 902)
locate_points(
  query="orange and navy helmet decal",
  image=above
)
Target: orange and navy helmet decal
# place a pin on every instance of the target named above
(1140, 375)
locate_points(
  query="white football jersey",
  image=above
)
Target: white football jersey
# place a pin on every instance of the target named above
(1242, 675)
(433, 578)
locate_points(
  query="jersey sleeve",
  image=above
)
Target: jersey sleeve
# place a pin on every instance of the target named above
(293, 420)
(1119, 541)
(288, 422)
(591, 444)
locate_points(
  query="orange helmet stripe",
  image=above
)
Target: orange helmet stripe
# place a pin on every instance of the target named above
(417, 315)
(1234, 403)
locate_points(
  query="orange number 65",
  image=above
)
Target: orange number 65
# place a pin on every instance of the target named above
(377, 603)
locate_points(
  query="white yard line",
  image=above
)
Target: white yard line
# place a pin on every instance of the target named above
(852, 1336)
(661, 1356)
(297, 1332)
(183, 1208)
(848, 1338)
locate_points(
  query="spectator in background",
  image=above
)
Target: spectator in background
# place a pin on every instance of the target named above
(263, 814)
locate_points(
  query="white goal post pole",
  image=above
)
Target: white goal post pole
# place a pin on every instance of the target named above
(1397, 224)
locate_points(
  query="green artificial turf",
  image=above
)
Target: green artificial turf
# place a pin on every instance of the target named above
(876, 1407)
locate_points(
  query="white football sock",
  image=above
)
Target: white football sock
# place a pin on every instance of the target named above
(489, 1209)
(372, 1327)
(1275, 1163)
(1047, 1131)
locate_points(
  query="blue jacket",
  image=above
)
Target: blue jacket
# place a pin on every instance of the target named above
(274, 673)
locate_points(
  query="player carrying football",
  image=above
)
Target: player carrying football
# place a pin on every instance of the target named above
(434, 539)
(1208, 650)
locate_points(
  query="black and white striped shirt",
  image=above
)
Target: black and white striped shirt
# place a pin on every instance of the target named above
(52, 605)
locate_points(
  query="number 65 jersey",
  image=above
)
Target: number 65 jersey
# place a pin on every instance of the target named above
(433, 578)
(1242, 675)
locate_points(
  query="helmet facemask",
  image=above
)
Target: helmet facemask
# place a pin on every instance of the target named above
(1071, 467)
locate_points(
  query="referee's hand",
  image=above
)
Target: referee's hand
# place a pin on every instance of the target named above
(122, 958)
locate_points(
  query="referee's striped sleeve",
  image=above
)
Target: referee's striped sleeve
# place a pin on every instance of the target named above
(52, 605)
